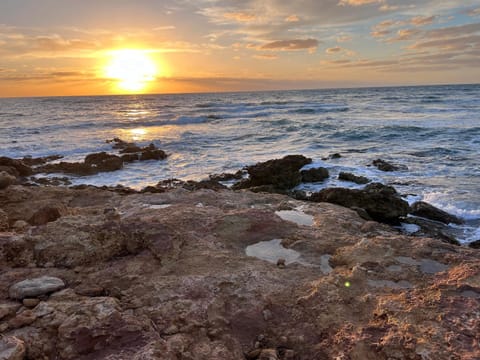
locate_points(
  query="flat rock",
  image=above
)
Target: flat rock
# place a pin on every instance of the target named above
(35, 287)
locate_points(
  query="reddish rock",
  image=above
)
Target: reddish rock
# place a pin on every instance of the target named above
(47, 214)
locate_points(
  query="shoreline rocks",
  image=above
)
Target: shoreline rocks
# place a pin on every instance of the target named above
(166, 275)
(428, 211)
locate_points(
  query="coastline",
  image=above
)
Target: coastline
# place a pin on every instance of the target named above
(164, 274)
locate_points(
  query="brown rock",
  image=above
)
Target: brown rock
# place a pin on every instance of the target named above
(268, 354)
(353, 178)
(18, 165)
(30, 302)
(90, 290)
(20, 226)
(3, 221)
(6, 180)
(104, 162)
(47, 214)
(8, 309)
(153, 154)
(25, 318)
(314, 175)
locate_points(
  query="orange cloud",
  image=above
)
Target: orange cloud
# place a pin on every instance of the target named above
(240, 16)
(359, 2)
(289, 45)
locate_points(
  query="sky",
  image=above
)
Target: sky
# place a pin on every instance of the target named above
(65, 47)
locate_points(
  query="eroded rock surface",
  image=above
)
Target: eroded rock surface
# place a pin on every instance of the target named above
(168, 277)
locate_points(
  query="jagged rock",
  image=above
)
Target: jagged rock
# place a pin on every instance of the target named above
(386, 166)
(282, 174)
(18, 165)
(153, 154)
(381, 202)
(314, 175)
(353, 178)
(35, 287)
(12, 348)
(227, 176)
(6, 180)
(428, 211)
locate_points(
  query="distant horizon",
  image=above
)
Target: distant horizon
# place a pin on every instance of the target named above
(99, 47)
(243, 91)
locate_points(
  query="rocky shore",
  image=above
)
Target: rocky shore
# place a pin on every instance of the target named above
(196, 270)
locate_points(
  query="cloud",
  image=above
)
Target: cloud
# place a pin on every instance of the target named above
(404, 35)
(474, 12)
(292, 18)
(422, 20)
(334, 50)
(291, 45)
(266, 56)
(344, 38)
(359, 2)
(240, 16)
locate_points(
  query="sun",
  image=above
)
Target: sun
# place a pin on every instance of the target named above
(133, 70)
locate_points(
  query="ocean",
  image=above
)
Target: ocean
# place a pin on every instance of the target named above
(432, 131)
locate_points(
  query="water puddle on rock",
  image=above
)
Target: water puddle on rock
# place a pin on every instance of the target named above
(427, 266)
(273, 250)
(297, 216)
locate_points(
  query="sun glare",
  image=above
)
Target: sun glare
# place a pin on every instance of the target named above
(132, 69)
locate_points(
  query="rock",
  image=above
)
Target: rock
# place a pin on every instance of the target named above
(6, 180)
(18, 165)
(385, 166)
(29, 161)
(353, 178)
(130, 148)
(428, 211)
(381, 202)
(281, 263)
(130, 157)
(52, 181)
(22, 319)
(47, 214)
(474, 244)
(76, 168)
(30, 302)
(314, 175)
(90, 290)
(8, 309)
(153, 154)
(204, 184)
(433, 229)
(104, 162)
(35, 287)
(12, 348)
(227, 176)
(20, 226)
(282, 174)
(268, 354)
(3, 221)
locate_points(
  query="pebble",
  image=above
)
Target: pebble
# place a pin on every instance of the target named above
(281, 263)
(30, 303)
(267, 314)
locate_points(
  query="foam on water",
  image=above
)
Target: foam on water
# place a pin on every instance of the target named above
(432, 130)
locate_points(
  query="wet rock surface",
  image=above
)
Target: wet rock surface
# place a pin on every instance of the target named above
(166, 276)
(386, 166)
(279, 175)
(381, 202)
(353, 178)
(428, 211)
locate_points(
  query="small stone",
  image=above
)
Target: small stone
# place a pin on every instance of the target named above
(268, 354)
(35, 287)
(252, 355)
(267, 314)
(281, 263)
(30, 303)
(20, 226)
(289, 354)
(11, 348)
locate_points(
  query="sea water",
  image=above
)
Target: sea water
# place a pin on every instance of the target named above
(433, 131)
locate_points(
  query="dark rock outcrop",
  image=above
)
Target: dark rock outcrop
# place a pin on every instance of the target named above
(428, 211)
(6, 180)
(433, 229)
(385, 166)
(282, 174)
(104, 162)
(353, 178)
(19, 166)
(381, 202)
(314, 175)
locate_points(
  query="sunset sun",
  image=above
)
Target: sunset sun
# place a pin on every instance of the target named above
(131, 69)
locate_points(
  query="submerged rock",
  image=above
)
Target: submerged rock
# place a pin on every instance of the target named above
(381, 202)
(281, 174)
(386, 166)
(35, 287)
(428, 211)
